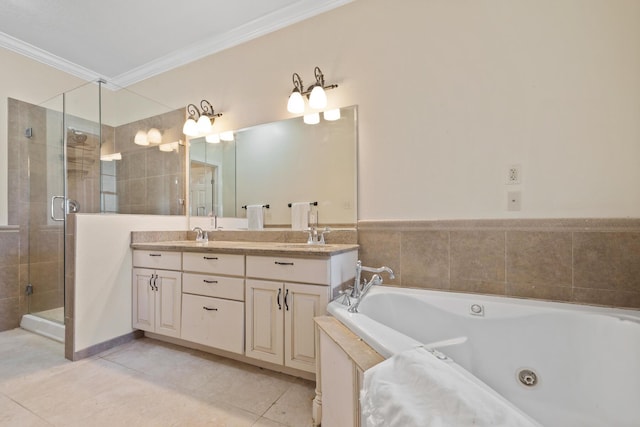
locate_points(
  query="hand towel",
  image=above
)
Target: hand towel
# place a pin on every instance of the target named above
(300, 215)
(255, 217)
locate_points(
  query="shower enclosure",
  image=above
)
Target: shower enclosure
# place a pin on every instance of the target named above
(75, 153)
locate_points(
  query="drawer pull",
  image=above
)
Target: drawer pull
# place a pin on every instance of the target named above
(210, 257)
(209, 281)
(283, 263)
(210, 308)
(155, 254)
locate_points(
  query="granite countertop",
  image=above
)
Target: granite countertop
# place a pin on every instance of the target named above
(249, 248)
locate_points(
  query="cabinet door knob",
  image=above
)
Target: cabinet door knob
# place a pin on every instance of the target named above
(279, 293)
(210, 308)
(209, 281)
(284, 263)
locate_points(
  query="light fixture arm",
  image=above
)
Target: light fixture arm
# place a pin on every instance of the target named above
(193, 112)
(207, 109)
(319, 82)
(297, 83)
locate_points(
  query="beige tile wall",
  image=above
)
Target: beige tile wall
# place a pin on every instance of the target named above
(593, 261)
(10, 292)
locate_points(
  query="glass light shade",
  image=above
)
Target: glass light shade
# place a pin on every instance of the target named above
(318, 98)
(214, 138)
(312, 119)
(204, 124)
(227, 135)
(331, 115)
(296, 103)
(141, 138)
(110, 157)
(170, 146)
(154, 136)
(190, 127)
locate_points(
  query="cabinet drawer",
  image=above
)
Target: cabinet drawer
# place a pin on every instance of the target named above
(157, 259)
(289, 269)
(213, 322)
(213, 263)
(213, 286)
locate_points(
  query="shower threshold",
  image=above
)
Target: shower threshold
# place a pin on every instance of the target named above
(43, 326)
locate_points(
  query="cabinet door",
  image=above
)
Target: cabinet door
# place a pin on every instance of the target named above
(302, 304)
(168, 302)
(143, 300)
(264, 326)
(215, 322)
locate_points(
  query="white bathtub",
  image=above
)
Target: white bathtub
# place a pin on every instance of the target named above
(586, 359)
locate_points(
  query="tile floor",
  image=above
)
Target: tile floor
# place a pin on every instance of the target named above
(142, 383)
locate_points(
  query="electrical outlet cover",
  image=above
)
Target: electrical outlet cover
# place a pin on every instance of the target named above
(514, 175)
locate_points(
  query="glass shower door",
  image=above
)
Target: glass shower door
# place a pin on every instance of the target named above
(64, 178)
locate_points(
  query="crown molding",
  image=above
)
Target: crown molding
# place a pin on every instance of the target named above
(279, 19)
(41, 55)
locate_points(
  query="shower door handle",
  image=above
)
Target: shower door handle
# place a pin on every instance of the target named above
(53, 213)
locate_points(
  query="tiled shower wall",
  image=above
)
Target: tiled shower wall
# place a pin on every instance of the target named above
(590, 261)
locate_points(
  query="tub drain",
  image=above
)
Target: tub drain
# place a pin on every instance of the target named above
(528, 377)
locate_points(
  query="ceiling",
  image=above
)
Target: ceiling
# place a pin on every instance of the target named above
(125, 41)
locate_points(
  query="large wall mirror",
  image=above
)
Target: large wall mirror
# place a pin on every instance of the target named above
(277, 164)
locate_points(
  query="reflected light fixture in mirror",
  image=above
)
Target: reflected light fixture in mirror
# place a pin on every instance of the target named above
(199, 123)
(110, 157)
(311, 119)
(332, 115)
(316, 93)
(141, 138)
(213, 138)
(154, 136)
(227, 135)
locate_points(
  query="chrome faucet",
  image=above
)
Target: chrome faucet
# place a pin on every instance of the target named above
(201, 235)
(315, 237)
(376, 279)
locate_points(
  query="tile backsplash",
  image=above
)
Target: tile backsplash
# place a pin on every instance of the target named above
(590, 261)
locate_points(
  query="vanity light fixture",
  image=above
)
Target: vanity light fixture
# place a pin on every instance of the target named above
(199, 123)
(315, 93)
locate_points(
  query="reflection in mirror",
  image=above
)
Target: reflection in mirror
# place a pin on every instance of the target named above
(277, 164)
(212, 178)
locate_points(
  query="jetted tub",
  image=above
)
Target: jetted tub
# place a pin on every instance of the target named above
(564, 365)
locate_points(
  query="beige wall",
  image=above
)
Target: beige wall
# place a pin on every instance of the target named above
(452, 92)
(449, 92)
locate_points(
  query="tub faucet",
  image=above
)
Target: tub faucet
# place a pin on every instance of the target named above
(376, 279)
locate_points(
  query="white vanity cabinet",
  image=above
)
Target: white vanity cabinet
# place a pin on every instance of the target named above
(283, 295)
(157, 292)
(213, 300)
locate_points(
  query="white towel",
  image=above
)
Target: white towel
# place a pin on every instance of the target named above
(255, 217)
(413, 388)
(300, 215)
